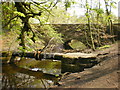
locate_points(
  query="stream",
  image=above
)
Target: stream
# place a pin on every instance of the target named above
(31, 73)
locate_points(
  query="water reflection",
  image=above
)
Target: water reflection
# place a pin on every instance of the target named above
(46, 66)
(24, 81)
(17, 77)
(30, 73)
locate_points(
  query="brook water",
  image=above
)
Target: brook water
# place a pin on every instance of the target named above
(31, 74)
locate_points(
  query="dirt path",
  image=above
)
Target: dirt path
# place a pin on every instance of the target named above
(103, 75)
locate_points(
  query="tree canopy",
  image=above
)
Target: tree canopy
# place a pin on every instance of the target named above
(20, 15)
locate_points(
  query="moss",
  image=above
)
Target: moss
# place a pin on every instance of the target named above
(104, 47)
(75, 44)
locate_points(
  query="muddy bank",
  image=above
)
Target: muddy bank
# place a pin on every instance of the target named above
(103, 75)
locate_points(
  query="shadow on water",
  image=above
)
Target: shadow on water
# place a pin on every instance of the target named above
(31, 73)
(36, 74)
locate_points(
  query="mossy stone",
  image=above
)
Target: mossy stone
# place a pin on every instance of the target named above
(77, 45)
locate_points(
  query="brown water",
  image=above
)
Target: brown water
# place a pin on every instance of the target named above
(29, 73)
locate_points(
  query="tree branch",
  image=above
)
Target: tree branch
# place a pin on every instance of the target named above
(9, 21)
(38, 3)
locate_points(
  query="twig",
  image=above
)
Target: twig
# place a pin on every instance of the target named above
(9, 21)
